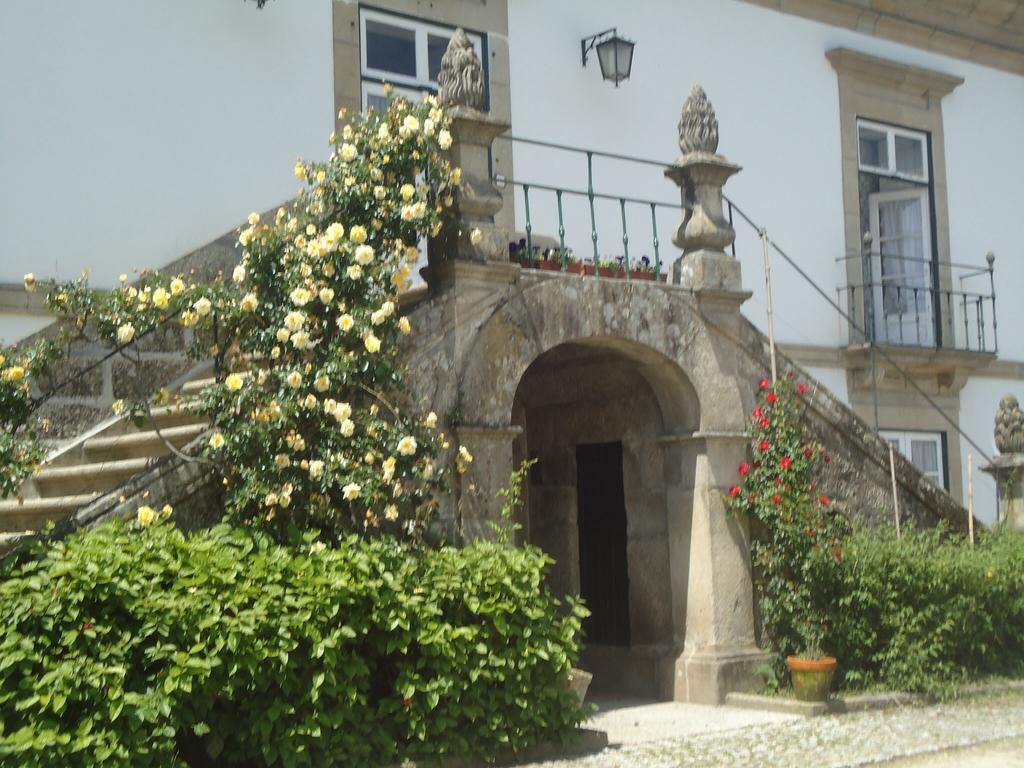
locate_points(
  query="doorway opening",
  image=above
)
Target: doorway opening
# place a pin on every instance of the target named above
(601, 525)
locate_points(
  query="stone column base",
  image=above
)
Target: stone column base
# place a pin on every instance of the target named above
(706, 676)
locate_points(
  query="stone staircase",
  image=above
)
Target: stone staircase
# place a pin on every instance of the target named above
(97, 463)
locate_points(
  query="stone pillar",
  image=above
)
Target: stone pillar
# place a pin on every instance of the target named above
(720, 652)
(1008, 467)
(491, 469)
(700, 173)
(461, 90)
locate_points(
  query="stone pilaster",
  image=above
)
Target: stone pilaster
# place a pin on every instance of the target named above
(471, 233)
(479, 502)
(719, 652)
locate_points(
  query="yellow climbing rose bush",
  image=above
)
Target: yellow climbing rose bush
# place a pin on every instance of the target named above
(311, 426)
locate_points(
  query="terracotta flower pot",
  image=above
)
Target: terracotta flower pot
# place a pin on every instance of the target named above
(639, 274)
(549, 266)
(812, 678)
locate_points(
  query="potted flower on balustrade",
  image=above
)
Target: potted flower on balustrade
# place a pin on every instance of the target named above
(796, 533)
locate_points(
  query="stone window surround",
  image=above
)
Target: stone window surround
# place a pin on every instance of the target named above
(883, 91)
(490, 20)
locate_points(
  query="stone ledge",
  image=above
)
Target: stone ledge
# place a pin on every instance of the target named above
(587, 741)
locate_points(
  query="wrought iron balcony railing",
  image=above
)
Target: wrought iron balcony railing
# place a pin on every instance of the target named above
(914, 302)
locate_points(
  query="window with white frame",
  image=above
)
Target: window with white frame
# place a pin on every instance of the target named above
(403, 52)
(925, 450)
(891, 151)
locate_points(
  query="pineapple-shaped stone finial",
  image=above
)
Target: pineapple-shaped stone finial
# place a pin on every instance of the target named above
(1009, 426)
(698, 126)
(461, 80)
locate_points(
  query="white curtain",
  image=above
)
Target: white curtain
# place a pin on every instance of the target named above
(903, 257)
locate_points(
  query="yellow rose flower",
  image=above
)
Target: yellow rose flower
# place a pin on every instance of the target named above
(364, 255)
(125, 333)
(347, 427)
(407, 191)
(316, 468)
(301, 296)
(476, 236)
(326, 295)
(14, 373)
(146, 515)
(300, 171)
(238, 273)
(233, 382)
(354, 272)
(372, 343)
(294, 379)
(351, 491)
(348, 153)
(357, 234)
(249, 302)
(407, 446)
(202, 307)
(117, 407)
(30, 282)
(281, 461)
(345, 322)
(391, 512)
(161, 298)
(404, 325)
(322, 383)
(217, 441)
(431, 420)
(177, 286)
(444, 139)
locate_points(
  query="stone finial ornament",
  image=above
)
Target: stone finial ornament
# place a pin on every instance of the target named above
(1009, 426)
(461, 80)
(698, 126)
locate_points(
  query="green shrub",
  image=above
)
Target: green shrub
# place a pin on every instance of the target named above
(927, 611)
(139, 647)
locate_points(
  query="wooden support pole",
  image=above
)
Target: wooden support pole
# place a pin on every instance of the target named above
(970, 496)
(895, 495)
(768, 289)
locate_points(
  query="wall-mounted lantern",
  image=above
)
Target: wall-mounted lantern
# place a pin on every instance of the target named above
(614, 54)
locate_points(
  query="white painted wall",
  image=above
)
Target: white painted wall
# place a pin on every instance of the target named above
(776, 97)
(133, 132)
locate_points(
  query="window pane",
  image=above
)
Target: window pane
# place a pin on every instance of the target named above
(874, 150)
(391, 49)
(436, 46)
(909, 156)
(376, 102)
(924, 454)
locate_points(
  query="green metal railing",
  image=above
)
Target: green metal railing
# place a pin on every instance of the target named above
(591, 196)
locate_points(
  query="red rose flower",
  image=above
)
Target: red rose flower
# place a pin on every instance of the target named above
(790, 374)
(786, 462)
(813, 486)
(764, 384)
(776, 500)
(734, 491)
(827, 458)
(764, 445)
(771, 397)
(744, 469)
(757, 413)
(406, 703)
(763, 423)
(824, 499)
(808, 453)
(801, 388)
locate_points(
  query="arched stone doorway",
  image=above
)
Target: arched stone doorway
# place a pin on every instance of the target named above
(598, 498)
(492, 322)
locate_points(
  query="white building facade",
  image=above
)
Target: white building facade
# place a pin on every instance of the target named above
(161, 128)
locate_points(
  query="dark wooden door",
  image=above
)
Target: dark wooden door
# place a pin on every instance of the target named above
(601, 519)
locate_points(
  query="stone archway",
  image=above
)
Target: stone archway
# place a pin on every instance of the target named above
(607, 526)
(674, 341)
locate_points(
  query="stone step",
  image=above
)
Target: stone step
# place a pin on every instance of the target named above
(21, 516)
(196, 386)
(168, 416)
(96, 477)
(134, 445)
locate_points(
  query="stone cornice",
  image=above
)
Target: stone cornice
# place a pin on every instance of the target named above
(989, 34)
(915, 81)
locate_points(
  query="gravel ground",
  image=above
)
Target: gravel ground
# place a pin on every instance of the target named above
(833, 741)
